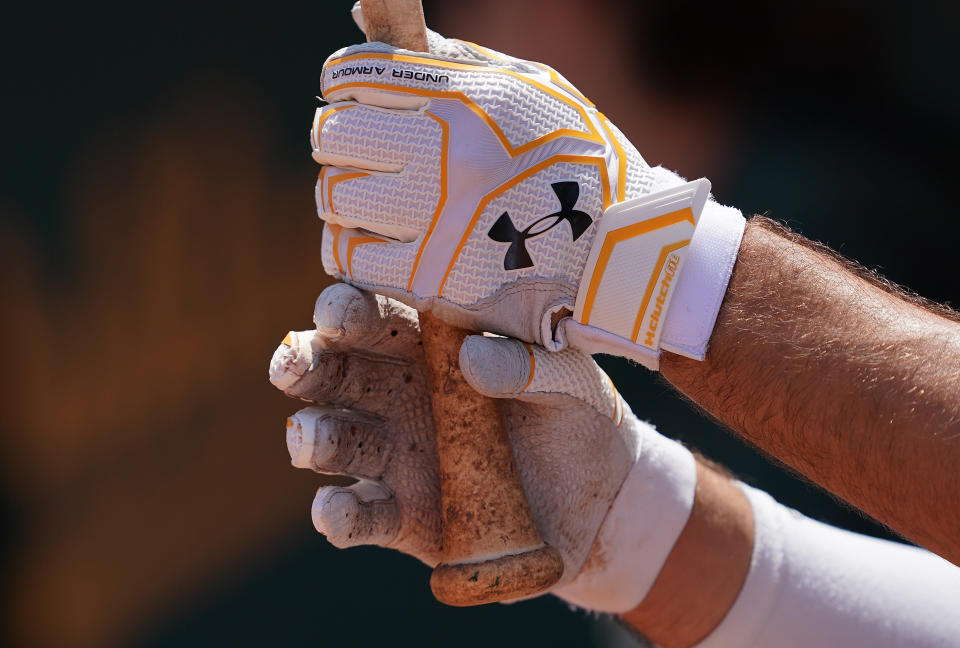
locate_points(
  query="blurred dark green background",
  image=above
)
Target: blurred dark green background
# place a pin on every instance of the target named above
(156, 176)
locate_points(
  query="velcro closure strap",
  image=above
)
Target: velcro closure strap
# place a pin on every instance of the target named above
(635, 262)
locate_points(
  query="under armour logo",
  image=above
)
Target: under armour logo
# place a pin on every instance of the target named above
(504, 231)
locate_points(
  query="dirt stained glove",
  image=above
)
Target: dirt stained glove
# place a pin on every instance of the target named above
(487, 189)
(609, 492)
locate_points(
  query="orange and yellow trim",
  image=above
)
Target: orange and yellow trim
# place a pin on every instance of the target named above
(654, 277)
(560, 82)
(621, 159)
(336, 230)
(554, 76)
(617, 236)
(353, 242)
(337, 179)
(533, 366)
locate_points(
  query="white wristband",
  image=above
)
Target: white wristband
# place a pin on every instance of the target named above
(703, 282)
(639, 532)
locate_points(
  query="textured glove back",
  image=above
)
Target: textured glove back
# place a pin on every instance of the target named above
(485, 170)
(468, 182)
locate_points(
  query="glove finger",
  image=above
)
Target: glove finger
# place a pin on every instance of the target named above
(508, 368)
(350, 319)
(354, 70)
(348, 134)
(367, 382)
(370, 262)
(339, 194)
(387, 207)
(338, 442)
(361, 514)
(369, 147)
(347, 319)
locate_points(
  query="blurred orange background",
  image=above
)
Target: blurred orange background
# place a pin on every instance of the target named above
(158, 238)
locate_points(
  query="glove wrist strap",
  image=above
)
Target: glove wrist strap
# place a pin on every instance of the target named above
(656, 275)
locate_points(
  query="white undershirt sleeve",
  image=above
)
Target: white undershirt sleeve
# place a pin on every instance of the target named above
(811, 584)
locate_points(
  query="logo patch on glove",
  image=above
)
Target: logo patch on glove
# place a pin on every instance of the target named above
(504, 231)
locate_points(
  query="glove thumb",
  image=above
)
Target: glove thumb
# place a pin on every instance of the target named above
(507, 368)
(496, 367)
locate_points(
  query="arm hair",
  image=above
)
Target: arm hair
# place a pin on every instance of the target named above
(842, 375)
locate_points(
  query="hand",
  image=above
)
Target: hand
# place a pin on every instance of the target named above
(575, 440)
(476, 185)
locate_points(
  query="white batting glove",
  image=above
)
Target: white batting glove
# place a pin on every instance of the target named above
(489, 190)
(605, 489)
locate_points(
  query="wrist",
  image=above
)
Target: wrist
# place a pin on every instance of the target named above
(701, 580)
(640, 529)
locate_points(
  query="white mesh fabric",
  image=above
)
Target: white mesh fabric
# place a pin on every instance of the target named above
(389, 136)
(383, 263)
(479, 271)
(493, 57)
(406, 200)
(640, 180)
(388, 200)
(523, 112)
(573, 373)
(453, 49)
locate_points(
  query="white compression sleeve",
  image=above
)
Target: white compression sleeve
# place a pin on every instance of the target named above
(811, 584)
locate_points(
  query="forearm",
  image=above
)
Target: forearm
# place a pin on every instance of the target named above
(845, 381)
(748, 572)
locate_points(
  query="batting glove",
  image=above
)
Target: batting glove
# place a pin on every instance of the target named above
(609, 492)
(487, 189)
